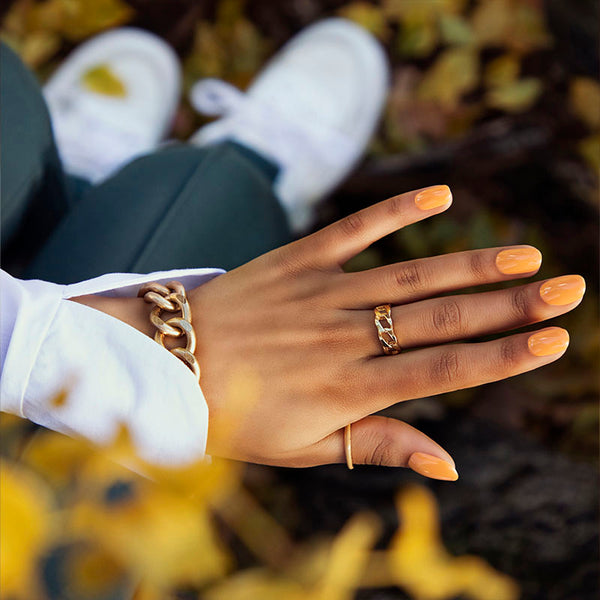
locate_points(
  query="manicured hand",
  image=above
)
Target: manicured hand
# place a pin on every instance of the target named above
(300, 333)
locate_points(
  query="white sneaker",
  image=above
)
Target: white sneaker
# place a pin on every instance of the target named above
(97, 133)
(311, 110)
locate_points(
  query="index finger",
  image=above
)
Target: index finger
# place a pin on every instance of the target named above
(335, 244)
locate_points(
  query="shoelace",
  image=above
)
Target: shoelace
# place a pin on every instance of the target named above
(284, 135)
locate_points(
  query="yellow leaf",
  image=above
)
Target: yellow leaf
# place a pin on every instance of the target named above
(589, 148)
(419, 11)
(85, 18)
(420, 564)
(92, 573)
(528, 30)
(417, 39)
(25, 527)
(368, 16)
(257, 584)
(208, 57)
(348, 558)
(515, 97)
(491, 21)
(38, 47)
(454, 73)
(57, 457)
(510, 23)
(455, 30)
(101, 80)
(502, 70)
(584, 100)
(160, 536)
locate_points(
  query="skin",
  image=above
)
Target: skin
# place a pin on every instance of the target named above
(298, 333)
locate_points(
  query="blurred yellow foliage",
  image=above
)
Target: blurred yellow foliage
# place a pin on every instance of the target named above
(502, 70)
(509, 23)
(25, 529)
(515, 97)
(36, 29)
(418, 11)
(454, 73)
(421, 565)
(589, 148)
(231, 47)
(115, 528)
(584, 100)
(368, 16)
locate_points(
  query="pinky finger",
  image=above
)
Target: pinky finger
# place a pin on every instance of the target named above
(383, 441)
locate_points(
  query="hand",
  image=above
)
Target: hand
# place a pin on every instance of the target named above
(301, 333)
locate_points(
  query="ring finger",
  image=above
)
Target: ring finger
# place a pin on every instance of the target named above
(441, 320)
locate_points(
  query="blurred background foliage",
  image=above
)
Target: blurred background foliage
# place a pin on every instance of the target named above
(500, 99)
(76, 525)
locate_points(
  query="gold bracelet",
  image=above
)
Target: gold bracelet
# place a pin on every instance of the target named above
(172, 298)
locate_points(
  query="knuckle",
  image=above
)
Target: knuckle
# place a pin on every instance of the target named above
(284, 261)
(478, 266)
(337, 333)
(353, 225)
(510, 356)
(395, 206)
(409, 277)
(381, 452)
(520, 304)
(446, 369)
(447, 318)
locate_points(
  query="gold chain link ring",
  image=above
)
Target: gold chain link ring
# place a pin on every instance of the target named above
(171, 298)
(385, 329)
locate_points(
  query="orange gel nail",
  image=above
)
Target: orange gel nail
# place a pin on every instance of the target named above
(433, 197)
(563, 290)
(518, 260)
(548, 341)
(432, 466)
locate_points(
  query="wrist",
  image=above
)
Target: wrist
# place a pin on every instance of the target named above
(133, 311)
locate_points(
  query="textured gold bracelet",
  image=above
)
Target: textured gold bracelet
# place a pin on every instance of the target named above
(171, 298)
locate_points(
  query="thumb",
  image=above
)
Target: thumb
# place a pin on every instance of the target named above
(388, 442)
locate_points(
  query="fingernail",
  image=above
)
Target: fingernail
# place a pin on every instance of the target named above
(563, 290)
(433, 197)
(518, 260)
(432, 466)
(549, 341)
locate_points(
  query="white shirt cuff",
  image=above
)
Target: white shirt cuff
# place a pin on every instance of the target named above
(113, 374)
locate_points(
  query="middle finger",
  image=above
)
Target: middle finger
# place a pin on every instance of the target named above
(441, 320)
(425, 277)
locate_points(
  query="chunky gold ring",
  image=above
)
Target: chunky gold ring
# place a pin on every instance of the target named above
(348, 445)
(385, 329)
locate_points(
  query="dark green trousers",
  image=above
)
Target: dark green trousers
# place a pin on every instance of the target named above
(179, 207)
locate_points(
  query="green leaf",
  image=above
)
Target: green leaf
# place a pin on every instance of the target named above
(515, 97)
(589, 148)
(417, 39)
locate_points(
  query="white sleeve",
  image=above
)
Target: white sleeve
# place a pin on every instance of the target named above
(112, 373)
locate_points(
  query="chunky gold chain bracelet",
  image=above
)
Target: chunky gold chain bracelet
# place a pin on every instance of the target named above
(171, 298)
